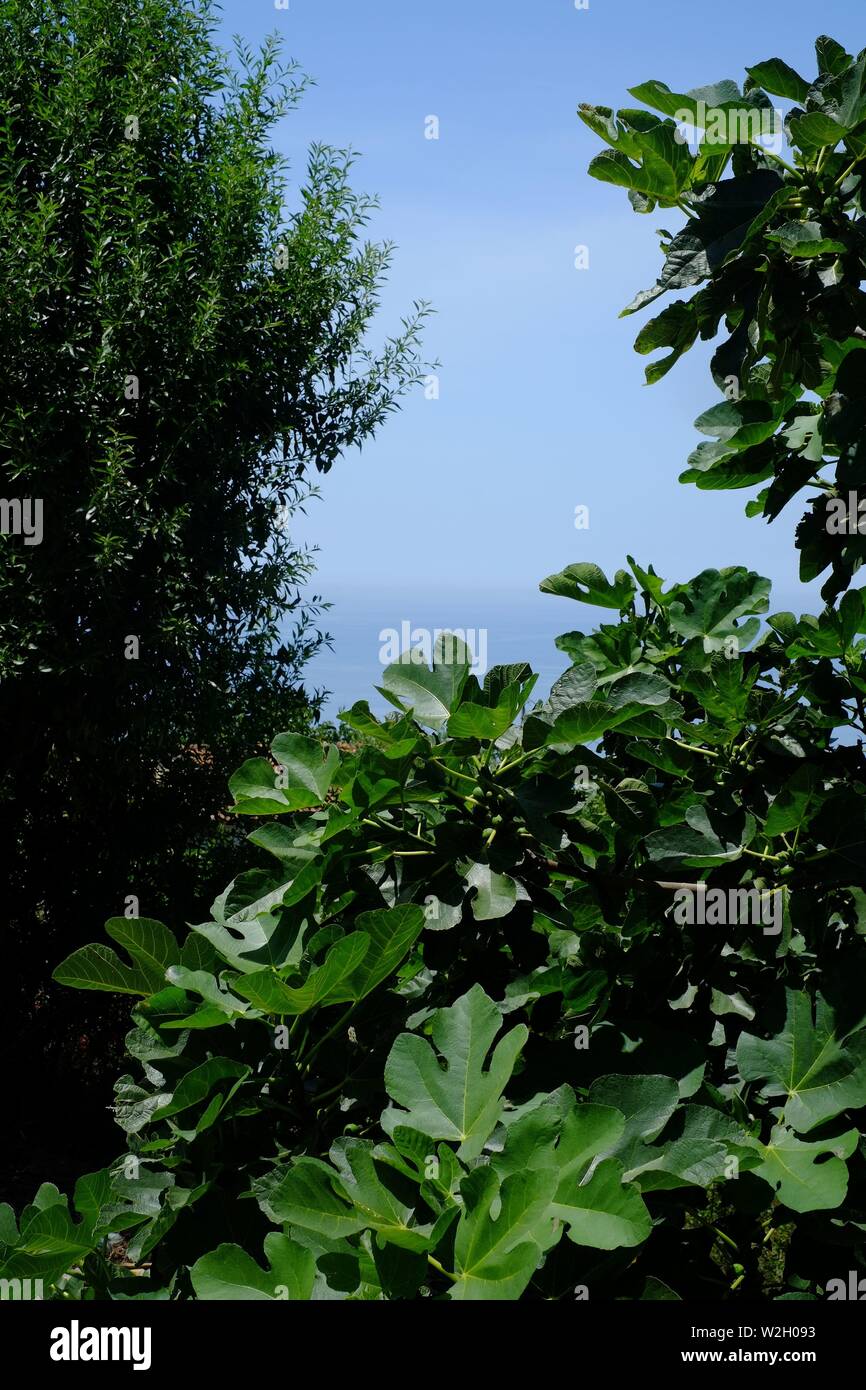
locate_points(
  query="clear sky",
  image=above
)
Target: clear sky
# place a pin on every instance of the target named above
(542, 405)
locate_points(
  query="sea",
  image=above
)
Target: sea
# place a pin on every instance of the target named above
(369, 628)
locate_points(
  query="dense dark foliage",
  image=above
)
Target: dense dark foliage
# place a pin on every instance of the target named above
(180, 356)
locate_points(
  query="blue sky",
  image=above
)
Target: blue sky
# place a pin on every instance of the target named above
(470, 499)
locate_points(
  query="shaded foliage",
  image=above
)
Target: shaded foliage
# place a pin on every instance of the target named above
(181, 356)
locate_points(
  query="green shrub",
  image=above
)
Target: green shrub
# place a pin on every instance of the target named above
(185, 346)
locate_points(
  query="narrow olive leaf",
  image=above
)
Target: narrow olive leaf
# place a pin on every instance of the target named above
(460, 1101)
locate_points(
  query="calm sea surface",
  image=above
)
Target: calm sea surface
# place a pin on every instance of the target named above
(368, 627)
(499, 625)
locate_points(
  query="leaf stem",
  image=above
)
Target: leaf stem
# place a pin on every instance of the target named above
(727, 1239)
(514, 762)
(692, 747)
(798, 173)
(452, 772)
(381, 825)
(845, 173)
(332, 1090)
(442, 1270)
(340, 1023)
